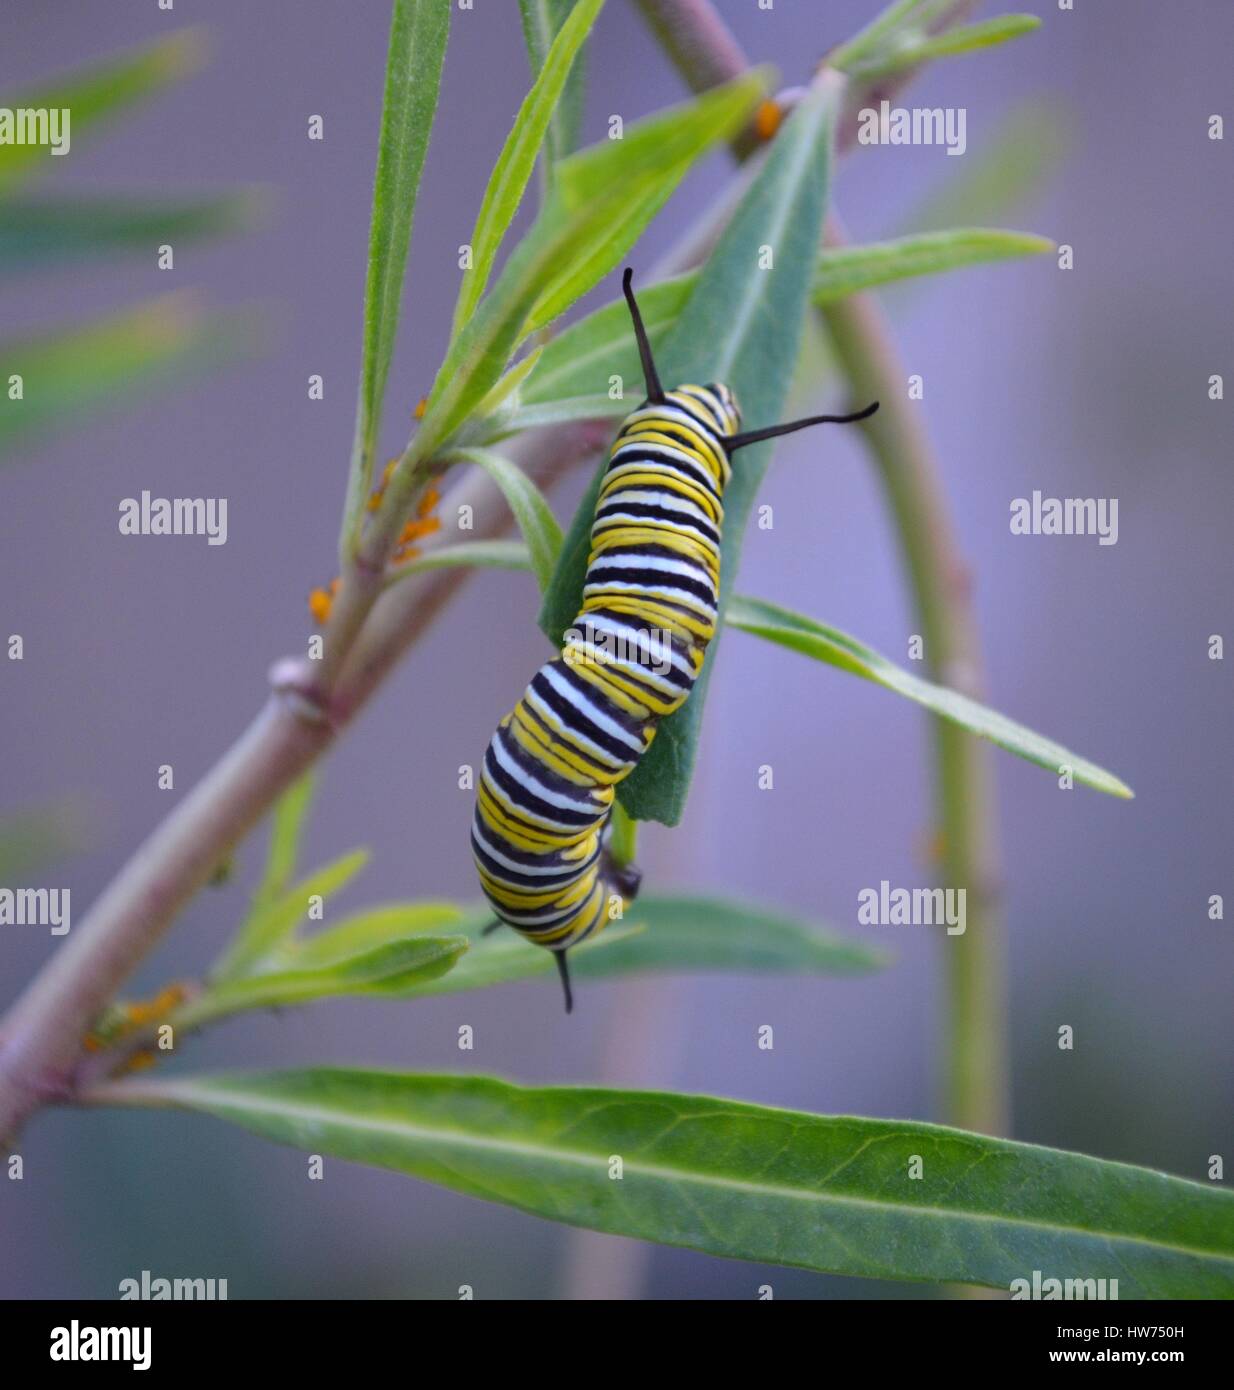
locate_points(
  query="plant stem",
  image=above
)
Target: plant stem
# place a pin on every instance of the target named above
(623, 842)
(975, 1058)
(974, 1066)
(40, 1037)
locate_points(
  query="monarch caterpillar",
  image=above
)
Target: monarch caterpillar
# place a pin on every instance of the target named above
(546, 789)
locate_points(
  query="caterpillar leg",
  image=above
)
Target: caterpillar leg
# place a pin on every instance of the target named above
(564, 971)
(492, 926)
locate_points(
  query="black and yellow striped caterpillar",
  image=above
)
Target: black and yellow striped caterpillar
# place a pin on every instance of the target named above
(630, 659)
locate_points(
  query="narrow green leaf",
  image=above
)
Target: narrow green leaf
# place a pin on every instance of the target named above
(391, 970)
(742, 325)
(831, 1193)
(685, 935)
(273, 923)
(534, 515)
(875, 34)
(542, 21)
(373, 928)
(478, 356)
(648, 147)
(57, 231)
(508, 389)
(964, 39)
(286, 829)
(417, 49)
(74, 370)
(500, 555)
(94, 93)
(836, 648)
(648, 163)
(579, 362)
(585, 225)
(535, 417)
(842, 271)
(518, 156)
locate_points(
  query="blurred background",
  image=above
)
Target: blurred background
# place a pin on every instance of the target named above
(1092, 383)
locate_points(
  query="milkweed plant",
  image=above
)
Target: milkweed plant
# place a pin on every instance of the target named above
(523, 395)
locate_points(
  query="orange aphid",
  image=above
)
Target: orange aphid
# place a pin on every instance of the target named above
(421, 407)
(374, 500)
(320, 603)
(419, 527)
(767, 119)
(139, 1061)
(428, 501)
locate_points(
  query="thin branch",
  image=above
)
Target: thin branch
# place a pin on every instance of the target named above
(40, 1038)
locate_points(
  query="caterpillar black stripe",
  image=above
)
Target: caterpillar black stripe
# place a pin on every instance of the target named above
(630, 659)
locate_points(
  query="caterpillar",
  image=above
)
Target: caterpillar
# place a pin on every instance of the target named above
(630, 659)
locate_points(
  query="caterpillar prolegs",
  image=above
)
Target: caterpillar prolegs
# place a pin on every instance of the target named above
(630, 659)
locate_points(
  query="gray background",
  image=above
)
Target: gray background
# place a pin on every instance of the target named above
(1090, 383)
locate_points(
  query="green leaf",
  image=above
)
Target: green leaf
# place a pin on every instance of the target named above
(879, 31)
(508, 389)
(577, 364)
(534, 516)
(742, 325)
(286, 830)
(572, 375)
(53, 232)
(518, 156)
(73, 370)
(94, 93)
(830, 1193)
(586, 224)
(391, 970)
(685, 934)
(836, 648)
(542, 21)
(373, 928)
(648, 163)
(842, 271)
(965, 39)
(479, 355)
(500, 555)
(272, 923)
(417, 48)
(535, 417)
(678, 135)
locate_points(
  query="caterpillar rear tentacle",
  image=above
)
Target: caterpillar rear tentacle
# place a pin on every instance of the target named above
(629, 660)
